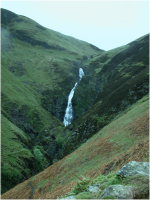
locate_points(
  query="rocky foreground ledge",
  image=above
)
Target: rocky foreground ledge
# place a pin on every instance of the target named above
(134, 179)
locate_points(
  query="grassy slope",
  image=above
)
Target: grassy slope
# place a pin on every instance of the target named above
(110, 70)
(16, 95)
(21, 105)
(42, 68)
(38, 33)
(122, 78)
(30, 31)
(35, 60)
(123, 140)
(42, 59)
(13, 155)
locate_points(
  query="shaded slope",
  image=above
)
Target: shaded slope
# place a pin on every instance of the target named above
(108, 71)
(20, 104)
(123, 140)
(16, 156)
(110, 86)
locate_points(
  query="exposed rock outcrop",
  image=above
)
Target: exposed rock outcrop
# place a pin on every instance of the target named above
(138, 186)
(93, 188)
(134, 168)
(118, 192)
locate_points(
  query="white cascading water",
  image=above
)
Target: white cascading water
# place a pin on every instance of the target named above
(81, 73)
(69, 112)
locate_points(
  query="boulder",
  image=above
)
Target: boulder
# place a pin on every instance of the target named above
(93, 188)
(134, 168)
(118, 192)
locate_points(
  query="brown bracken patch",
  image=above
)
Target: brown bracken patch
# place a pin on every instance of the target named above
(140, 126)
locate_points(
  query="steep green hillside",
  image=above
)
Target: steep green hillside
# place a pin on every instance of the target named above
(39, 68)
(16, 156)
(123, 140)
(113, 82)
(110, 70)
(43, 59)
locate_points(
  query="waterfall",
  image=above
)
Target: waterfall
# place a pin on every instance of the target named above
(81, 73)
(69, 111)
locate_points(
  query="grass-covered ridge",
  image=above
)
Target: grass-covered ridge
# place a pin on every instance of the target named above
(39, 68)
(43, 59)
(124, 140)
(31, 32)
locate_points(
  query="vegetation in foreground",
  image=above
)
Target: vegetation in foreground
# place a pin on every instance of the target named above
(123, 140)
(81, 191)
